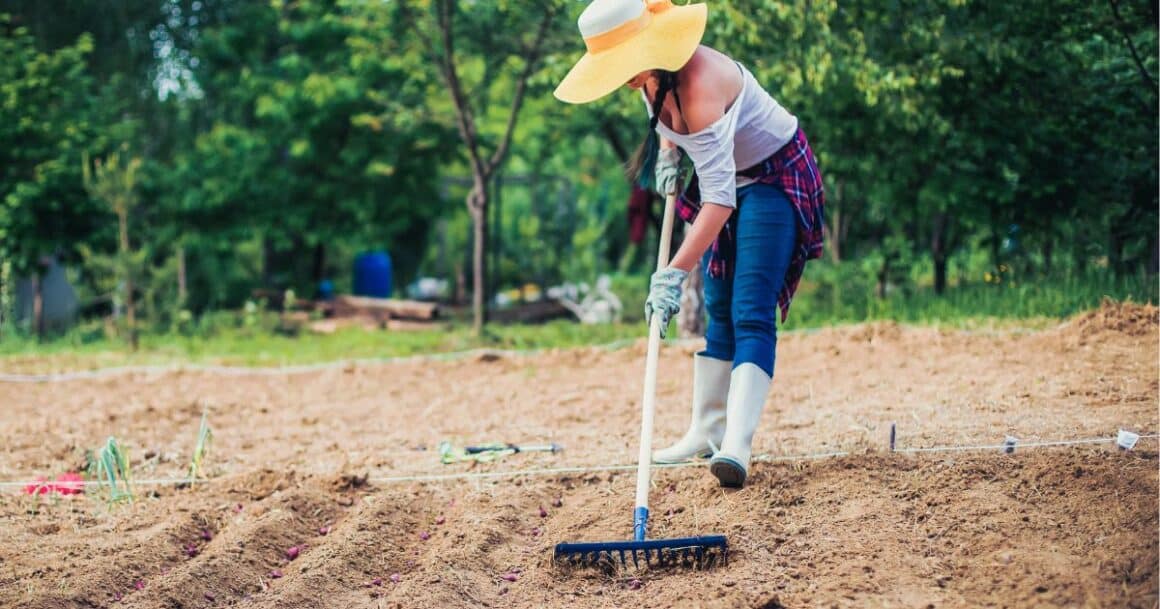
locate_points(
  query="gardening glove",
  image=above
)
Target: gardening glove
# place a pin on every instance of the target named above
(664, 296)
(667, 170)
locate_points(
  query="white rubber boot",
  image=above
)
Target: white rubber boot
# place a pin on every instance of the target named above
(747, 390)
(710, 389)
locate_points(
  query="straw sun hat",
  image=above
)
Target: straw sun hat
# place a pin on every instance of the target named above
(627, 37)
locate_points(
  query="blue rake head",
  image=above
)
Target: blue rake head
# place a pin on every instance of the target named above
(694, 552)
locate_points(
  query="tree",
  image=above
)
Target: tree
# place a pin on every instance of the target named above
(314, 134)
(115, 185)
(503, 44)
(45, 126)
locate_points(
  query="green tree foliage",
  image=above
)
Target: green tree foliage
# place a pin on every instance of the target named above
(483, 56)
(45, 125)
(314, 136)
(277, 139)
(115, 185)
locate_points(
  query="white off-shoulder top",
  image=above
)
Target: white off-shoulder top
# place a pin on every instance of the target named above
(754, 127)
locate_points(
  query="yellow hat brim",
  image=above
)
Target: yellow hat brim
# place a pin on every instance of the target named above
(666, 44)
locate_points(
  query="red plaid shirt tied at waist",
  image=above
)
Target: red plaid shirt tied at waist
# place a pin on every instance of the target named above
(794, 170)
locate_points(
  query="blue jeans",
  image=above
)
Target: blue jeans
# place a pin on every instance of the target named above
(743, 309)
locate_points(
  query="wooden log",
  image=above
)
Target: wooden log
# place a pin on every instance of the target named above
(385, 308)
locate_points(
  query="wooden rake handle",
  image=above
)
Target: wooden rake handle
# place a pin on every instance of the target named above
(648, 402)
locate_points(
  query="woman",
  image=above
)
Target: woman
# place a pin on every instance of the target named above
(755, 204)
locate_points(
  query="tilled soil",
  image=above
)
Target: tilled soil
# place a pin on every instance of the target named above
(319, 461)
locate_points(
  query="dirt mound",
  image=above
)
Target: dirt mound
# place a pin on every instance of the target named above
(1112, 316)
(1055, 528)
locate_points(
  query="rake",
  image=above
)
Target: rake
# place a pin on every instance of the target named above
(702, 551)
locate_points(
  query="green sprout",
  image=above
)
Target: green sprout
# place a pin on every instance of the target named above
(204, 439)
(111, 468)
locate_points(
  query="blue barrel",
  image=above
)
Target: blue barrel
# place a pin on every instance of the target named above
(372, 275)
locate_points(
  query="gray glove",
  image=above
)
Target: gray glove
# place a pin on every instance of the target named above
(664, 296)
(667, 170)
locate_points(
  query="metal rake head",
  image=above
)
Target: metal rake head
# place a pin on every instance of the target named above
(690, 552)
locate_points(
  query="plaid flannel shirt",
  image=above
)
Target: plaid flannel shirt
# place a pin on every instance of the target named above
(794, 169)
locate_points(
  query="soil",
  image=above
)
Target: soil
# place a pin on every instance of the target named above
(315, 461)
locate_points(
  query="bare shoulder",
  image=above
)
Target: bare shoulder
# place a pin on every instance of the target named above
(710, 83)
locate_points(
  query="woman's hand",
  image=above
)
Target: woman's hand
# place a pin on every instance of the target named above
(664, 296)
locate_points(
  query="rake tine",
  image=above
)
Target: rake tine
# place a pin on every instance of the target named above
(698, 552)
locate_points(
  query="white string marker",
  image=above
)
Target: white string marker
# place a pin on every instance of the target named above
(556, 471)
(1126, 440)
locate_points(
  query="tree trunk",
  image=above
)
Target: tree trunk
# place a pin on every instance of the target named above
(267, 260)
(496, 229)
(1154, 254)
(477, 206)
(483, 166)
(448, 270)
(996, 238)
(835, 228)
(460, 285)
(938, 251)
(883, 276)
(37, 306)
(1115, 250)
(182, 291)
(691, 319)
(1048, 251)
(4, 298)
(940, 275)
(130, 306)
(319, 264)
(836, 238)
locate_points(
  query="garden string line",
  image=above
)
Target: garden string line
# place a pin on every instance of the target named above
(553, 471)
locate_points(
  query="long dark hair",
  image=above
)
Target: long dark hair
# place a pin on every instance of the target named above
(641, 167)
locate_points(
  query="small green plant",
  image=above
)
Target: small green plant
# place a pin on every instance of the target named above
(111, 470)
(204, 439)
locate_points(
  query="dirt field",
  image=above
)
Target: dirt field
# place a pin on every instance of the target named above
(1045, 527)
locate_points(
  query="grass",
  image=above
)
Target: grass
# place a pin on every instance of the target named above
(828, 296)
(246, 347)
